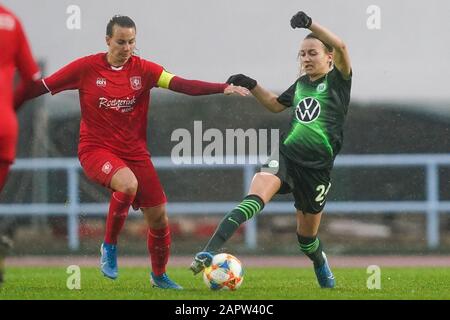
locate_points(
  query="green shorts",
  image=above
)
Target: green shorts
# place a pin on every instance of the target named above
(309, 186)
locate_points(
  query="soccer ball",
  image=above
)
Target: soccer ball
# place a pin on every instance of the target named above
(225, 272)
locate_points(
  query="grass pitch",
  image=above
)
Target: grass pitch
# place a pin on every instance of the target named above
(25, 283)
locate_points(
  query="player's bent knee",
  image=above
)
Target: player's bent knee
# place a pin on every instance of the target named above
(156, 216)
(266, 178)
(131, 189)
(125, 181)
(265, 185)
(132, 186)
(128, 187)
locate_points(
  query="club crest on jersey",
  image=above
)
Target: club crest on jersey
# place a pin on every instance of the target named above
(136, 83)
(107, 167)
(321, 87)
(307, 110)
(101, 82)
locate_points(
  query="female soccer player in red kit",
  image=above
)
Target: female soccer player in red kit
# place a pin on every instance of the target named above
(15, 54)
(114, 90)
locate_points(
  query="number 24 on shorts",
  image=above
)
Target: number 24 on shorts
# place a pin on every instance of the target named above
(323, 191)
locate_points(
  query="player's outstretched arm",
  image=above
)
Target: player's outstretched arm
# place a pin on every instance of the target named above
(267, 98)
(66, 78)
(197, 87)
(341, 57)
(237, 90)
(28, 90)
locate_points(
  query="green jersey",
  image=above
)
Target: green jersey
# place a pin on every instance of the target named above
(318, 113)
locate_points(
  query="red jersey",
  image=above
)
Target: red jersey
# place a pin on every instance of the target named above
(15, 54)
(114, 102)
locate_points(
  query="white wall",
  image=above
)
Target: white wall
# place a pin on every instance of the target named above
(406, 60)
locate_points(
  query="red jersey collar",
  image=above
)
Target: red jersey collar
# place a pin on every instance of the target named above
(124, 67)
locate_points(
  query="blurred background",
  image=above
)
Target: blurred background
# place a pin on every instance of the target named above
(395, 203)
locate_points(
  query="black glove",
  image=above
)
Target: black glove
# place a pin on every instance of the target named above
(243, 81)
(301, 20)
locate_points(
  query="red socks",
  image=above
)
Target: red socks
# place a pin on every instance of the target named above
(158, 240)
(118, 212)
(158, 245)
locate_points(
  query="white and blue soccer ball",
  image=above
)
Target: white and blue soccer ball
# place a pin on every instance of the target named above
(225, 272)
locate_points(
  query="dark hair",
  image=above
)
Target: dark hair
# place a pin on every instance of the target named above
(121, 21)
(326, 45)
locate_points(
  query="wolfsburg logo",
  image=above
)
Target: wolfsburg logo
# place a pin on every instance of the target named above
(321, 87)
(307, 110)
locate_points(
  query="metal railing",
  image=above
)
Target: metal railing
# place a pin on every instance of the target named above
(431, 206)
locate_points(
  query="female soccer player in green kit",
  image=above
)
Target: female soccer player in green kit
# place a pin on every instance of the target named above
(319, 101)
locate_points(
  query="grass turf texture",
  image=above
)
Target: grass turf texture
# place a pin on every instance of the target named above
(259, 283)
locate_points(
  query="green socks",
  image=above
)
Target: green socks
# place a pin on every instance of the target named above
(251, 205)
(312, 247)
